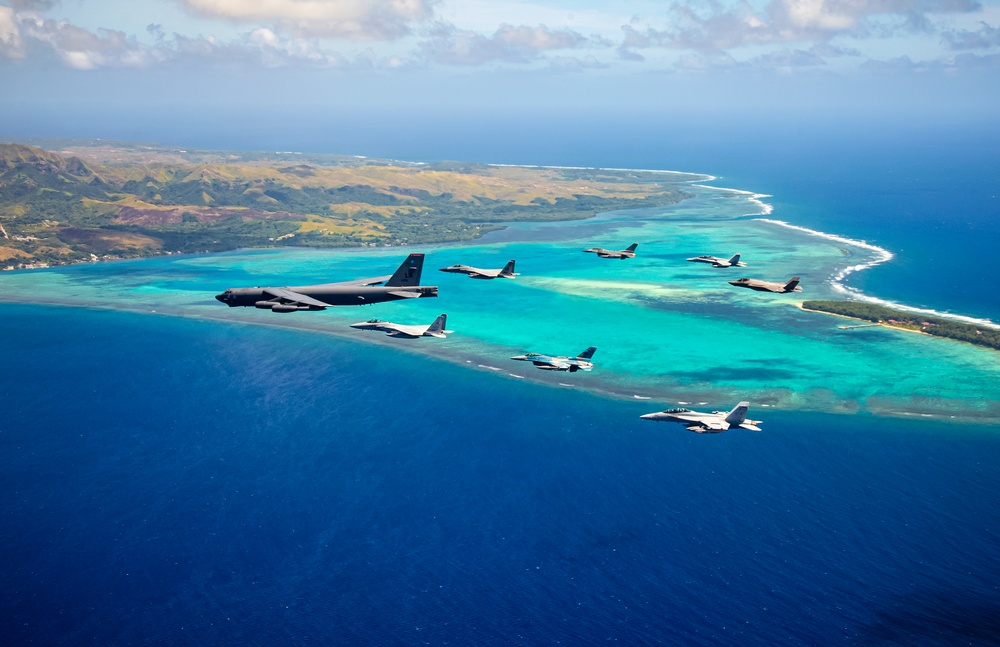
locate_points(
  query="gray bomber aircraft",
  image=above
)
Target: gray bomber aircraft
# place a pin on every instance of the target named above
(436, 329)
(708, 423)
(404, 284)
(506, 272)
(628, 252)
(719, 262)
(768, 286)
(559, 363)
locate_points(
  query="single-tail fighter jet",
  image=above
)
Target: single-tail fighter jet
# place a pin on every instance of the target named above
(628, 252)
(768, 286)
(436, 329)
(559, 363)
(719, 262)
(476, 273)
(404, 284)
(708, 423)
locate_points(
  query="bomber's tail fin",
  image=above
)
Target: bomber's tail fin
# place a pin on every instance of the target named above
(791, 285)
(508, 270)
(436, 329)
(734, 260)
(587, 354)
(738, 414)
(408, 273)
(631, 248)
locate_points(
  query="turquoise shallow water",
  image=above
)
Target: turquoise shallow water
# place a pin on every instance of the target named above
(666, 329)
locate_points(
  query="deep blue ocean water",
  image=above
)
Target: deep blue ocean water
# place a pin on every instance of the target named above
(171, 481)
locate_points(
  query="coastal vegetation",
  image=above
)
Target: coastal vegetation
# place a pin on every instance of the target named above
(937, 326)
(95, 200)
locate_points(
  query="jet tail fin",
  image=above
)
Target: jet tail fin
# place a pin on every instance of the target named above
(437, 328)
(734, 260)
(587, 354)
(631, 248)
(738, 415)
(408, 274)
(508, 270)
(791, 285)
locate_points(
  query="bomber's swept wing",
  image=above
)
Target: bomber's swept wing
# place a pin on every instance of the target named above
(375, 280)
(287, 296)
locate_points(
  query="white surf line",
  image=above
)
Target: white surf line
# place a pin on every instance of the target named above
(754, 198)
(641, 397)
(491, 368)
(882, 255)
(520, 377)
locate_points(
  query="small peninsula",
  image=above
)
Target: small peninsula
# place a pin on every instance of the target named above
(69, 201)
(973, 334)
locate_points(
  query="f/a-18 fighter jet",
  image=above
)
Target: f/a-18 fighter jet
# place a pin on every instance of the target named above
(628, 252)
(708, 423)
(719, 262)
(767, 286)
(476, 273)
(559, 363)
(404, 284)
(436, 329)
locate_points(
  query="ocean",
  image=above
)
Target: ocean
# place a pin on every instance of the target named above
(199, 479)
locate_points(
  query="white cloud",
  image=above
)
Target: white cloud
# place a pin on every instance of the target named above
(11, 45)
(985, 37)
(452, 46)
(349, 19)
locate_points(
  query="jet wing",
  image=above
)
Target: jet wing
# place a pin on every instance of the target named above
(294, 297)
(361, 282)
(715, 425)
(490, 274)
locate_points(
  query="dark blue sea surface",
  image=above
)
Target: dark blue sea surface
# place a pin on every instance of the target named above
(172, 481)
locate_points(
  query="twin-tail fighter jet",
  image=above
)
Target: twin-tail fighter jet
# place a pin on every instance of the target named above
(560, 363)
(476, 273)
(436, 329)
(768, 286)
(719, 262)
(404, 284)
(628, 252)
(708, 423)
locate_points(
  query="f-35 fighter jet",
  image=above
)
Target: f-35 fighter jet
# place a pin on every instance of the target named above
(628, 252)
(404, 284)
(719, 262)
(436, 329)
(475, 273)
(767, 286)
(560, 363)
(708, 423)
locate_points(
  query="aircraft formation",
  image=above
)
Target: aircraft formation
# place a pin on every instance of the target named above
(404, 283)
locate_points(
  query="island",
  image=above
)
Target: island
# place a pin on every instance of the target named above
(880, 315)
(70, 201)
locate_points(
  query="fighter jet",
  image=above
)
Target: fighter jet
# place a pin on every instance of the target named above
(708, 423)
(628, 252)
(559, 363)
(436, 329)
(404, 284)
(475, 273)
(767, 286)
(719, 262)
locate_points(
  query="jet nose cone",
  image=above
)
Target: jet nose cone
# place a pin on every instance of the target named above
(650, 416)
(221, 297)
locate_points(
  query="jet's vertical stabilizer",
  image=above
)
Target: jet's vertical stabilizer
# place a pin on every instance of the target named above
(631, 248)
(408, 273)
(508, 270)
(587, 354)
(738, 415)
(734, 260)
(436, 329)
(791, 285)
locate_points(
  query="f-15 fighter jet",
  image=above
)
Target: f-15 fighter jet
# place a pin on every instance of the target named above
(436, 329)
(719, 262)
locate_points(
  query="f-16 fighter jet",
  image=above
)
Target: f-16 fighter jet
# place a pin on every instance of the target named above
(708, 423)
(404, 284)
(628, 252)
(559, 363)
(436, 329)
(475, 273)
(719, 262)
(767, 286)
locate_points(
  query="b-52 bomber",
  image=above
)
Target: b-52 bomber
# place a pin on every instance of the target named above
(628, 252)
(560, 363)
(719, 262)
(476, 273)
(404, 284)
(708, 423)
(436, 329)
(768, 286)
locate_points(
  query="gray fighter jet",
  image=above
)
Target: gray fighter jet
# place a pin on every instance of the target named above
(560, 363)
(475, 273)
(708, 423)
(767, 286)
(404, 284)
(628, 252)
(436, 329)
(719, 262)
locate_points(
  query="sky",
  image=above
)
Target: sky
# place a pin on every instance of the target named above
(262, 70)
